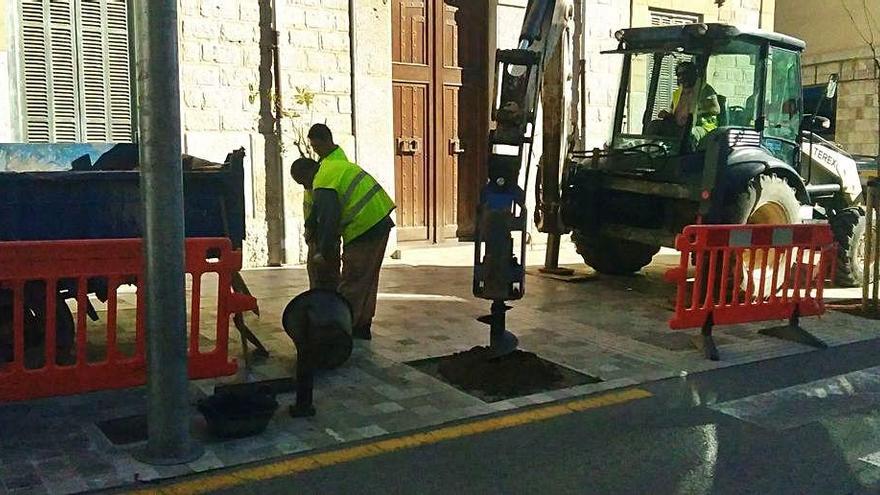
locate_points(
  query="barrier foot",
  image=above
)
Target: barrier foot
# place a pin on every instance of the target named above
(794, 333)
(705, 342)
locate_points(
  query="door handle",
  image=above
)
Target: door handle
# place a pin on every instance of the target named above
(408, 145)
(404, 146)
(455, 146)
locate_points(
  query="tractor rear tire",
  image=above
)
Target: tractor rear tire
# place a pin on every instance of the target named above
(849, 232)
(613, 256)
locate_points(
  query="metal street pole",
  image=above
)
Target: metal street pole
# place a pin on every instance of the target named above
(168, 407)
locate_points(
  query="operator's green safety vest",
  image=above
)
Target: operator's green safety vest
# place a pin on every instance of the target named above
(704, 120)
(335, 155)
(362, 200)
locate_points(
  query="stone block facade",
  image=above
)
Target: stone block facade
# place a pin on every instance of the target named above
(835, 34)
(858, 101)
(220, 58)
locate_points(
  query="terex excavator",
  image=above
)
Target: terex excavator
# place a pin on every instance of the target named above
(752, 158)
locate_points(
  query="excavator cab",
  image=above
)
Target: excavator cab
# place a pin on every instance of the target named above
(682, 84)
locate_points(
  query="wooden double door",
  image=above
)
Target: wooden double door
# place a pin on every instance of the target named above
(441, 119)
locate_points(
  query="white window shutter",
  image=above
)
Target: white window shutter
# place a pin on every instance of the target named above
(119, 71)
(106, 87)
(75, 64)
(93, 68)
(63, 72)
(48, 55)
(34, 55)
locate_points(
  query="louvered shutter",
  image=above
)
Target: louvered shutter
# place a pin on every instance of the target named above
(663, 100)
(75, 64)
(50, 84)
(104, 66)
(119, 71)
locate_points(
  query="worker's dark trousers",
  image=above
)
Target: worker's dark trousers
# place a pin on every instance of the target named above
(361, 263)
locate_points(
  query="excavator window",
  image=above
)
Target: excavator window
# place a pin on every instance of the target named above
(783, 106)
(674, 100)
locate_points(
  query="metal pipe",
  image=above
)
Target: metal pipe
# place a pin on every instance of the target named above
(875, 248)
(869, 246)
(269, 127)
(355, 80)
(168, 418)
(551, 260)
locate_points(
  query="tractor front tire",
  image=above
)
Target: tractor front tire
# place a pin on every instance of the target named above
(849, 231)
(613, 256)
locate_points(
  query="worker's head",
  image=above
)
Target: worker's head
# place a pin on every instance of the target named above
(321, 140)
(303, 171)
(686, 74)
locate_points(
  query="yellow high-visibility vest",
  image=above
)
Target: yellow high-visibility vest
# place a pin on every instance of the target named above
(704, 120)
(335, 155)
(362, 200)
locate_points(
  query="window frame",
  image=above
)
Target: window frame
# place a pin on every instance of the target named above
(17, 94)
(793, 155)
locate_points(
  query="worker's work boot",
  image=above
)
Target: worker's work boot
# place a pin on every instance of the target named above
(362, 333)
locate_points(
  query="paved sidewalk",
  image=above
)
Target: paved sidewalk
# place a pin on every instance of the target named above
(613, 328)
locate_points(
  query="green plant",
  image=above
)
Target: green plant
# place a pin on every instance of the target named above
(299, 115)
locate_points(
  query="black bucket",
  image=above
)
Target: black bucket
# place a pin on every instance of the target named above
(319, 323)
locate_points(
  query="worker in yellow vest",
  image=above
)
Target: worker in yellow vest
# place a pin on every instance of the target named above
(686, 98)
(323, 270)
(344, 201)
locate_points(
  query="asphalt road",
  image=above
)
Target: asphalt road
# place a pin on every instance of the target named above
(806, 424)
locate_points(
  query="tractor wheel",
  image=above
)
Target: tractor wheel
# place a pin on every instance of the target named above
(766, 200)
(849, 232)
(613, 256)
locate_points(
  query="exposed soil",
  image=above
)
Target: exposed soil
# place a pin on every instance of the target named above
(515, 374)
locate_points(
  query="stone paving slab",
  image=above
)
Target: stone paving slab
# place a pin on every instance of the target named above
(610, 327)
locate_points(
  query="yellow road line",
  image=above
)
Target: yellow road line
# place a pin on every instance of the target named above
(311, 462)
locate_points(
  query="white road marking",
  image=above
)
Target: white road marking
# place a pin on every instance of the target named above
(808, 402)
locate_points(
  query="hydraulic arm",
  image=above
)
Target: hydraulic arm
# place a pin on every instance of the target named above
(501, 233)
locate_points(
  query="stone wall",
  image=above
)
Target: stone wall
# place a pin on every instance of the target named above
(220, 58)
(315, 56)
(857, 101)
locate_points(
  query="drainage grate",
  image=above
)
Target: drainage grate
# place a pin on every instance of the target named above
(515, 375)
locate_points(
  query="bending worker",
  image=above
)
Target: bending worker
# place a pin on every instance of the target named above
(346, 202)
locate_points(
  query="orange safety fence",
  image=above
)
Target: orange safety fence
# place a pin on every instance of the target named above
(46, 349)
(751, 273)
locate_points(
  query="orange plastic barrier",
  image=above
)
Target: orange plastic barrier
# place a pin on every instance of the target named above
(44, 352)
(750, 273)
